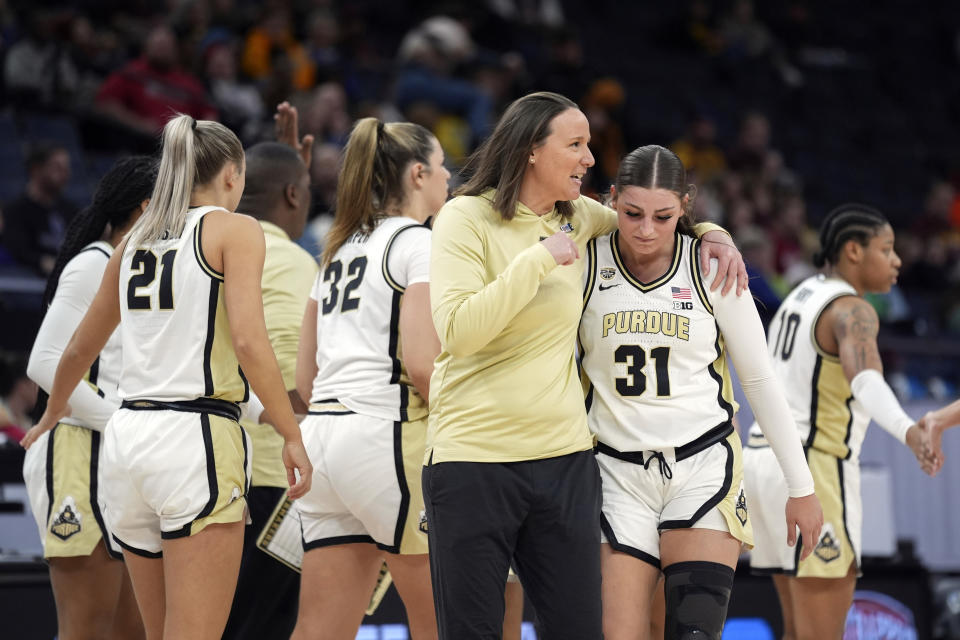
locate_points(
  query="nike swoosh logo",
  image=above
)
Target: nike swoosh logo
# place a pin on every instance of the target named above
(610, 286)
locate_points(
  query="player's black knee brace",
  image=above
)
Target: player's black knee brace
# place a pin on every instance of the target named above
(697, 595)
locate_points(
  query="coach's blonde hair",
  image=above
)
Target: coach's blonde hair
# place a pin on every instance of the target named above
(371, 178)
(194, 152)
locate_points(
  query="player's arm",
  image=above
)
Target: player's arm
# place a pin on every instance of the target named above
(307, 352)
(418, 338)
(85, 345)
(854, 325)
(75, 292)
(468, 311)
(743, 336)
(241, 244)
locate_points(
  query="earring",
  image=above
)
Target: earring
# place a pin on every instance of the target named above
(532, 160)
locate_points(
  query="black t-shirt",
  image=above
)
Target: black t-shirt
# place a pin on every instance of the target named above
(32, 230)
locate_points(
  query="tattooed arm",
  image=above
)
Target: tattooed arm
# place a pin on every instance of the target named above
(853, 326)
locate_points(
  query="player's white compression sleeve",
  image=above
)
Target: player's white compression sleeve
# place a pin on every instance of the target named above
(876, 396)
(77, 287)
(744, 337)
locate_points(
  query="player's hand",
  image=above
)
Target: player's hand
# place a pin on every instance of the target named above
(804, 514)
(296, 461)
(287, 128)
(925, 440)
(48, 421)
(562, 248)
(730, 266)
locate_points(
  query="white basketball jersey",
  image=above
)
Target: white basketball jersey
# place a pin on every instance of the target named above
(358, 336)
(653, 364)
(173, 322)
(827, 415)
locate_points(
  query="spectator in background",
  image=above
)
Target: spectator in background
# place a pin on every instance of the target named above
(602, 105)
(936, 217)
(742, 34)
(698, 150)
(563, 70)
(35, 221)
(324, 173)
(794, 241)
(698, 30)
(93, 55)
(429, 54)
(241, 106)
(17, 395)
(190, 21)
(766, 286)
(740, 215)
(749, 154)
(37, 69)
(325, 114)
(323, 34)
(271, 40)
(147, 91)
(747, 42)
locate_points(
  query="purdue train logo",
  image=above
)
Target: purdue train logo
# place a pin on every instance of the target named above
(607, 273)
(828, 549)
(423, 522)
(742, 508)
(67, 522)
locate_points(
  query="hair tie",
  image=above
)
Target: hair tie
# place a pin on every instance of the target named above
(379, 130)
(193, 124)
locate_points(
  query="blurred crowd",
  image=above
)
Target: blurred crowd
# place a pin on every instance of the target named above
(115, 71)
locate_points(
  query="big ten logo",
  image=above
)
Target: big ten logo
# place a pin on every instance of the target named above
(686, 306)
(400, 632)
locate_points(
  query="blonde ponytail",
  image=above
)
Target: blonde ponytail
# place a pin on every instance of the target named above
(193, 153)
(355, 206)
(371, 178)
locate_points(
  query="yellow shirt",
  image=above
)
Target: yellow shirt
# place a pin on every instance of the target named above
(288, 276)
(505, 386)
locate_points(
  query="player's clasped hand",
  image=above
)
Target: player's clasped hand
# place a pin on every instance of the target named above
(804, 514)
(295, 459)
(923, 438)
(562, 248)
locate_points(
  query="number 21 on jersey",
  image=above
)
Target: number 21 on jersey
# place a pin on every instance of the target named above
(144, 268)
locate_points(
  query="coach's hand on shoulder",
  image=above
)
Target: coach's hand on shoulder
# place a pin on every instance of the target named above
(48, 421)
(804, 514)
(730, 266)
(296, 461)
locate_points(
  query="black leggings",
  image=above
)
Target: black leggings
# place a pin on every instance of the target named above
(541, 515)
